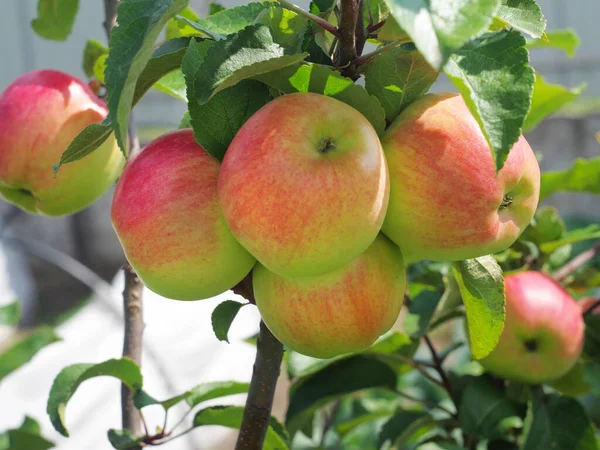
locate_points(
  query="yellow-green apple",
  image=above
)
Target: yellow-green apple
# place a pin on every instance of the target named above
(543, 331)
(342, 311)
(446, 200)
(167, 216)
(304, 184)
(40, 114)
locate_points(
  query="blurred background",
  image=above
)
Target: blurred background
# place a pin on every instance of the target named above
(49, 294)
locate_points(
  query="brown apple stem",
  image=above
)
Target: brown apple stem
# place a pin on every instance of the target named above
(257, 412)
(132, 343)
(566, 270)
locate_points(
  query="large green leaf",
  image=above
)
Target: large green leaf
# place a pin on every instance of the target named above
(287, 28)
(10, 314)
(522, 15)
(176, 27)
(494, 77)
(68, 380)
(571, 237)
(439, 29)
(55, 18)
(130, 48)
(420, 312)
(557, 422)
(222, 317)
(172, 84)
(246, 54)
(397, 78)
(231, 416)
(481, 285)
(324, 80)
(547, 99)
(582, 176)
(335, 381)
(485, 411)
(24, 349)
(165, 59)
(565, 40)
(232, 20)
(402, 426)
(123, 439)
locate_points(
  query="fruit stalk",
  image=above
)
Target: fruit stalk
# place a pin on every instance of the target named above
(257, 412)
(566, 270)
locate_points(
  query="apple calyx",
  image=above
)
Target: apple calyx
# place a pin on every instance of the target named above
(531, 345)
(506, 201)
(325, 145)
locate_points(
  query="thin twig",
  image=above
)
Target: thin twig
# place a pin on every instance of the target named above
(132, 343)
(576, 263)
(417, 367)
(367, 57)
(429, 404)
(110, 16)
(376, 27)
(316, 19)
(591, 308)
(438, 366)
(257, 412)
(329, 421)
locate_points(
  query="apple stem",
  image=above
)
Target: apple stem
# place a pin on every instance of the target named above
(257, 412)
(581, 259)
(316, 19)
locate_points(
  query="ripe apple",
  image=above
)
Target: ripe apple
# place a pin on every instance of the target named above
(167, 216)
(543, 331)
(446, 201)
(40, 114)
(304, 185)
(339, 312)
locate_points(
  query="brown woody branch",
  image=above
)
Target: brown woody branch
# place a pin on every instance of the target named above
(351, 40)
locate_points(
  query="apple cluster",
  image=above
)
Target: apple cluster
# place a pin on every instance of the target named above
(309, 201)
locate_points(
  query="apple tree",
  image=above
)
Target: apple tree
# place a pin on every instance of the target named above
(316, 176)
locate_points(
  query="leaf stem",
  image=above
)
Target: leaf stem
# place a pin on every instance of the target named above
(367, 57)
(316, 19)
(429, 404)
(257, 412)
(438, 366)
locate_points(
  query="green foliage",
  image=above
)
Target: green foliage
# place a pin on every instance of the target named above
(420, 312)
(131, 47)
(523, 15)
(231, 416)
(547, 99)
(26, 437)
(582, 176)
(123, 439)
(222, 317)
(55, 18)
(565, 40)
(494, 77)
(92, 51)
(397, 78)
(402, 427)
(172, 84)
(437, 30)
(482, 288)
(24, 349)
(178, 27)
(324, 80)
(68, 380)
(10, 314)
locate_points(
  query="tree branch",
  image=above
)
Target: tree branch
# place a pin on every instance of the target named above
(257, 413)
(576, 263)
(591, 308)
(132, 343)
(347, 49)
(110, 16)
(438, 366)
(316, 19)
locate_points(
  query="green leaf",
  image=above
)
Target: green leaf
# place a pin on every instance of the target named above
(232, 20)
(178, 28)
(557, 422)
(582, 176)
(223, 316)
(324, 80)
(481, 285)
(172, 84)
(246, 54)
(403, 425)
(22, 351)
(485, 411)
(437, 29)
(570, 237)
(397, 78)
(392, 31)
(217, 122)
(208, 391)
(287, 28)
(494, 77)
(565, 40)
(546, 226)
(591, 346)
(523, 15)
(165, 59)
(10, 314)
(123, 439)
(336, 380)
(68, 380)
(93, 50)
(420, 312)
(547, 99)
(131, 47)
(186, 121)
(99, 67)
(55, 18)
(214, 8)
(231, 416)
(20, 439)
